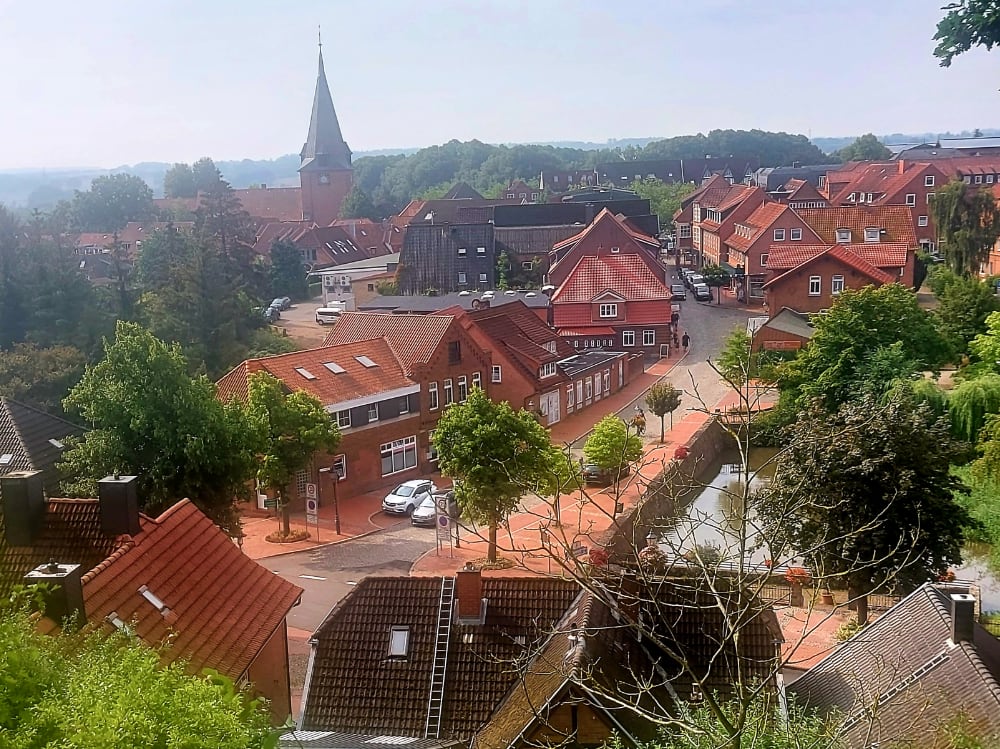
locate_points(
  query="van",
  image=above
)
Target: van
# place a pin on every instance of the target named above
(326, 315)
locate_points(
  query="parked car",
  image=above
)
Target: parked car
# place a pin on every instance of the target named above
(677, 291)
(701, 292)
(282, 303)
(405, 498)
(425, 513)
(594, 475)
(326, 315)
(270, 314)
(692, 279)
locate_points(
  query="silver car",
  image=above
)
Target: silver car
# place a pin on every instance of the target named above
(426, 513)
(405, 498)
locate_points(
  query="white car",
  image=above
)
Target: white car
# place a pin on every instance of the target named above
(407, 496)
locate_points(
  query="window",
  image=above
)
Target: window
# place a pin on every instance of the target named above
(496, 373)
(989, 179)
(399, 639)
(372, 412)
(796, 235)
(480, 250)
(850, 198)
(628, 338)
(814, 285)
(339, 467)
(461, 251)
(527, 265)
(432, 396)
(615, 250)
(477, 380)
(448, 393)
(609, 310)
(399, 455)
(649, 338)
(979, 179)
(779, 235)
(404, 405)
(684, 231)
(461, 276)
(463, 389)
(432, 453)
(569, 397)
(843, 236)
(837, 285)
(929, 180)
(911, 198)
(930, 198)
(607, 381)
(482, 278)
(763, 260)
(921, 221)
(343, 419)
(589, 388)
(371, 287)
(547, 370)
(871, 234)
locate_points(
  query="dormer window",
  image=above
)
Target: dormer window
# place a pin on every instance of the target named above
(872, 234)
(843, 236)
(399, 642)
(609, 310)
(615, 250)
(547, 370)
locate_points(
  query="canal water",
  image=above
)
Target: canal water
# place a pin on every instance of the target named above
(713, 520)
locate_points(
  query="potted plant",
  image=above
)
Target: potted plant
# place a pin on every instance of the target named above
(797, 577)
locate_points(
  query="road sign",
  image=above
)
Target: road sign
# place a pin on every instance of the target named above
(312, 507)
(270, 504)
(444, 527)
(311, 491)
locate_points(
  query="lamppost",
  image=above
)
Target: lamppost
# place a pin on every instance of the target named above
(336, 474)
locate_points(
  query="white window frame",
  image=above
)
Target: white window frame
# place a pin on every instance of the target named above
(649, 338)
(449, 392)
(432, 453)
(399, 642)
(608, 310)
(527, 265)
(405, 447)
(433, 403)
(338, 468)
(763, 259)
(462, 251)
(815, 285)
(477, 380)
(547, 370)
(928, 180)
(404, 405)
(872, 234)
(344, 419)
(496, 373)
(372, 409)
(628, 338)
(462, 278)
(463, 389)
(607, 381)
(989, 179)
(930, 197)
(795, 234)
(922, 221)
(483, 278)
(779, 235)
(911, 198)
(836, 284)
(843, 236)
(979, 179)
(480, 250)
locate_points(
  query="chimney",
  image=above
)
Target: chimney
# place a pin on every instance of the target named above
(469, 590)
(963, 617)
(901, 166)
(119, 500)
(23, 506)
(63, 595)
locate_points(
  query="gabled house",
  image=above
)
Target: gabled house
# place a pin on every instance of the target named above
(809, 279)
(436, 354)
(608, 235)
(176, 579)
(786, 330)
(904, 678)
(376, 404)
(32, 440)
(798, 193)
(520, 191)
(502, 661)
(749, 245)
(714, 219)
(319, 246)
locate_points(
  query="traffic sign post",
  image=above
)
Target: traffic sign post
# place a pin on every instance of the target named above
(444, 531)
(312, 509)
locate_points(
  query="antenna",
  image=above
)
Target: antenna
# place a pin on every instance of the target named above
(319, 35)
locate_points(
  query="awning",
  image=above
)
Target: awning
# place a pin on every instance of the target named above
(734, 271)
(595, 331)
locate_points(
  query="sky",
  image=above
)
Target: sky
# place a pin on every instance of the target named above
(101, 83)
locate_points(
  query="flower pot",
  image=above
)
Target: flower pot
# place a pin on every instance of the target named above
(827, 598)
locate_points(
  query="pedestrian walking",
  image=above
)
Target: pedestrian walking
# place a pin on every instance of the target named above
(685, 340)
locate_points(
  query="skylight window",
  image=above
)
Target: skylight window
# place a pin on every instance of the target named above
(366, 361)
(305, 373)
(6, 459)
(56, 444)
(334, 367)
(399, 642)
(152, 598)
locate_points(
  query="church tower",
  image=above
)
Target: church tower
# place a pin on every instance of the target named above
(325, 172)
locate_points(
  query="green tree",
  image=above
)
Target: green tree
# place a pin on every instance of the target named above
(662, 398)
(664, 200)
(986, 345)
(180, 182)
(611, 447)
(206, 175)
(289, 429)
(149, 418)
(738, 362)
(111, 202)
(716, 277)
(772, 149)
(495, 454)
(358, 204)
(93, 689)
(860, 322)
(963, 306)
(968, 225)
(14, 304)
(971, 403)
(879, 510)
(967, 24)
(288, 274)
(40, 377)
(865, 148)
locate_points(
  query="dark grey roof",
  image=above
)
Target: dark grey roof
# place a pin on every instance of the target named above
(333, 740)
(790, 321)
(585, 360)
(427, 304)
(532, 240)
(26, 434)
(901, 678)
(324, 147)
(568, 212)
(462, 190)
(775, 178)
(452, 211)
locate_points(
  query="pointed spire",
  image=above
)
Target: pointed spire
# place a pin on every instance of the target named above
(324, 146)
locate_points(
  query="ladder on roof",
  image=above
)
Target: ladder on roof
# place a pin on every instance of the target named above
(435, 701)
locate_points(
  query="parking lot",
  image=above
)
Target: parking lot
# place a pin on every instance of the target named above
(300, 322)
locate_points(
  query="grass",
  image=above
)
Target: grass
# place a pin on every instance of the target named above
(983, 504)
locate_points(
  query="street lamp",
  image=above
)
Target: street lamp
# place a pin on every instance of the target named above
(336, 474)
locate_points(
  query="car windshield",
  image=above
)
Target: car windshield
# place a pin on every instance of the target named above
(427, 504)
(403, 491)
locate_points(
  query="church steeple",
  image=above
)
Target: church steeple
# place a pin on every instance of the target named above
(324, 147)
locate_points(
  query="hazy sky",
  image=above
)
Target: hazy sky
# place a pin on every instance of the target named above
(100, 83)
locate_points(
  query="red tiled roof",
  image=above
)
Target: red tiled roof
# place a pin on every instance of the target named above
(277, 203)
(221, 606)
(413, 338)
(800, 189)
(761, 219)
(331, 388)
(784, 256)
(848, 258)
(626, 275)
(736, 195)
(602, 217)
(987, 164)
(897, 220)
(274, 231)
